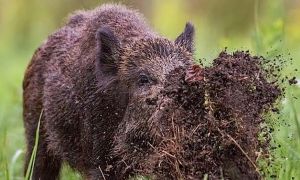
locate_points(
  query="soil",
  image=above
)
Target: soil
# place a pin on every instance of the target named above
(293, 81)
(214, 127)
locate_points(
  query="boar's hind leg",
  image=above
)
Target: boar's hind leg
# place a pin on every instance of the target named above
(46, 166)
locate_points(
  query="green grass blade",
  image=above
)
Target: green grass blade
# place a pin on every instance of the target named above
(30, 167)
(6, 172)
(14, 159)
(296, 118)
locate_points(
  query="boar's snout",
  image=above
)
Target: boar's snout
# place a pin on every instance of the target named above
(194, 74)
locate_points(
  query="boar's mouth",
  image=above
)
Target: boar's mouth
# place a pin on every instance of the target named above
(206, 121)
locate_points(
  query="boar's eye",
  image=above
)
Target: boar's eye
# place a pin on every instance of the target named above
(143, 80)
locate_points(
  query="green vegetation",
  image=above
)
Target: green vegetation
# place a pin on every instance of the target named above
(29, 170)
(268, 28)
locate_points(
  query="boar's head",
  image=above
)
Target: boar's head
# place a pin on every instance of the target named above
(140, 71)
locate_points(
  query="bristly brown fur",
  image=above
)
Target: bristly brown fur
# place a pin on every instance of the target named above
(86, 78)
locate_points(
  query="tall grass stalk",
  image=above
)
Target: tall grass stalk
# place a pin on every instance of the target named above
(14, 159)
(295, 117)
(258, 40)
(30, 167)
(6, 172)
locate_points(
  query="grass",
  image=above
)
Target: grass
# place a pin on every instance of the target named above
(269, 40)
(268, 36)
(29, 170)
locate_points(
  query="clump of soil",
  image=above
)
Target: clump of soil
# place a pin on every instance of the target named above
(293, 81)
(213, 126)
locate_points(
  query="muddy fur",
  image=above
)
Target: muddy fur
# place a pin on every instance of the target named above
(90, 79)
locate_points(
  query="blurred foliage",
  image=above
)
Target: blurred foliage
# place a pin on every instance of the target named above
(265, 27)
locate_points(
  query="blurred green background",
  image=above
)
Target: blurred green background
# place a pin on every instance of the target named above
(265, 27)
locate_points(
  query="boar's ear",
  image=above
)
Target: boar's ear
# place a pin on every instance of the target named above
(186, 39)
(108, 51)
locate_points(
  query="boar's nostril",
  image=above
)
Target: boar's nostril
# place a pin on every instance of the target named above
(151, 101)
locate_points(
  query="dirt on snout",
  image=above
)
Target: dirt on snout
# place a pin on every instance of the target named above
(214, 127)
